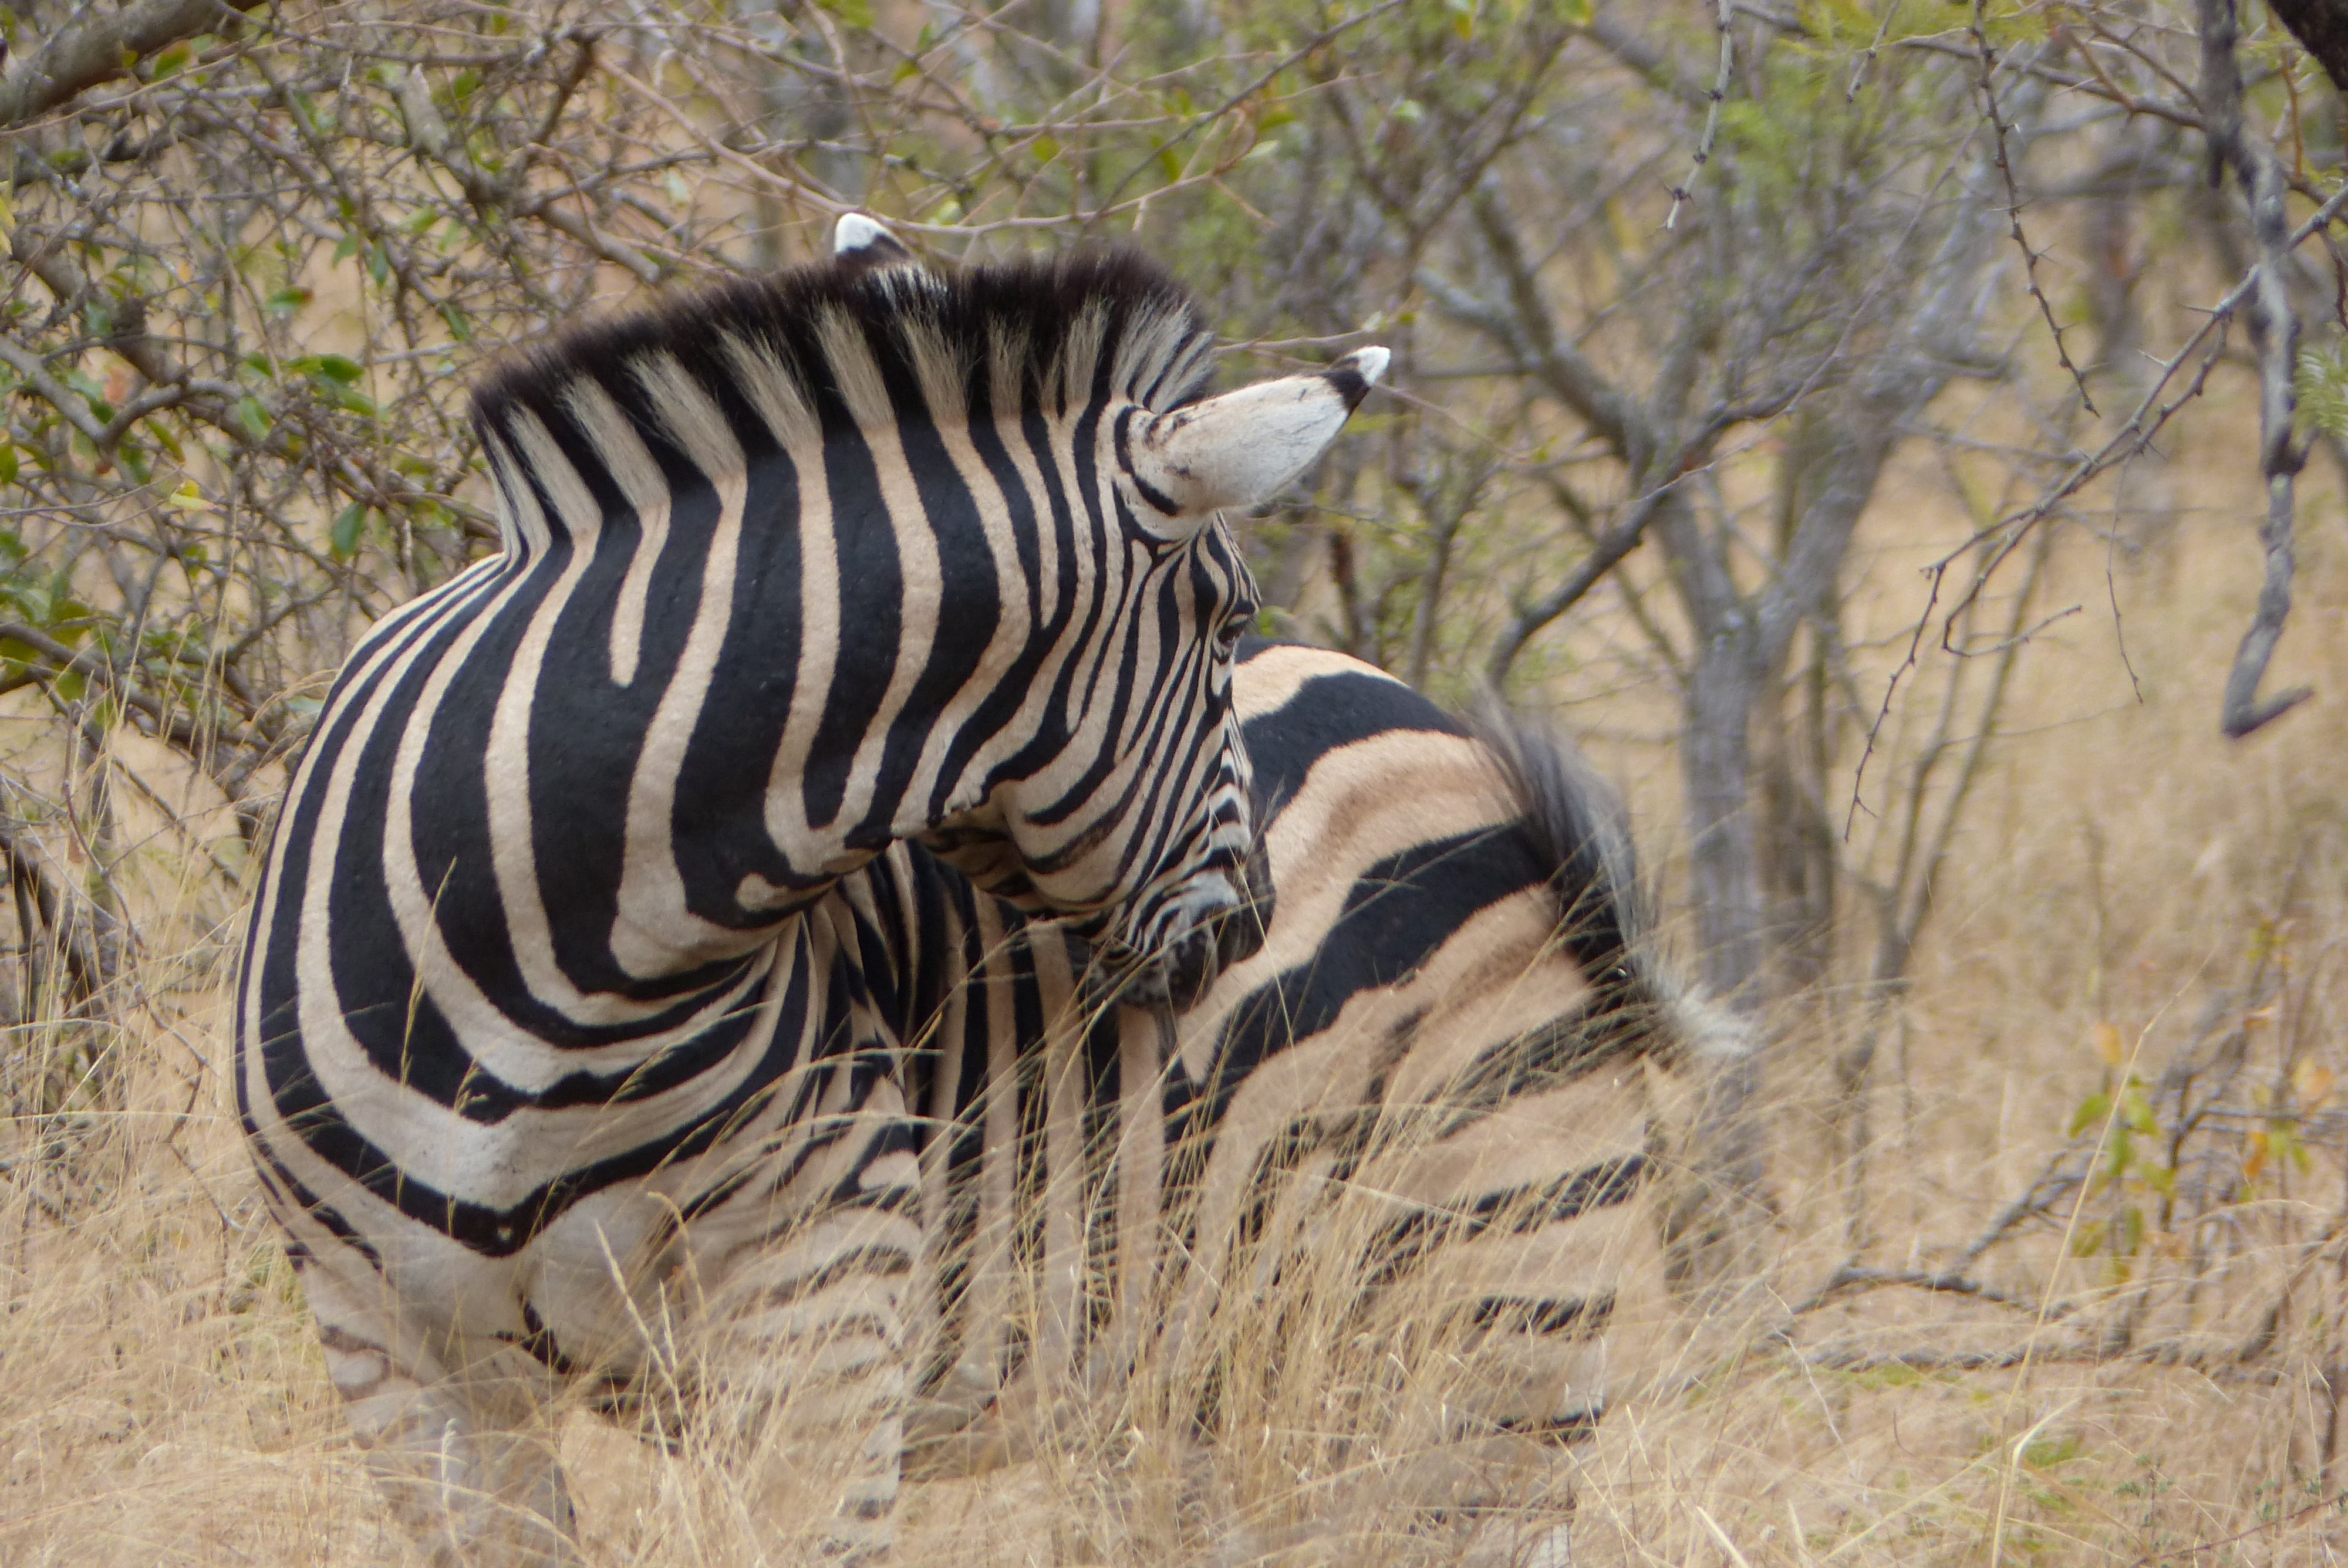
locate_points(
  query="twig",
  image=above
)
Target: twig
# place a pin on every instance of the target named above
(1948, 1282)
(1987, 84)
(2119, 627)
(1867, 61)
(2335, 1501)
(1939, 572)
(1719, 95)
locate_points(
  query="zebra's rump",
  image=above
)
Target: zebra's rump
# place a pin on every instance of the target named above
(1410, 1132)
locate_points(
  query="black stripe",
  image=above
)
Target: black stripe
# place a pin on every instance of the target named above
(871, 626)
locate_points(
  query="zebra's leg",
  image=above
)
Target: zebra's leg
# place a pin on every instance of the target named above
(464, 1454)
(805, 1357)
(804, 1381)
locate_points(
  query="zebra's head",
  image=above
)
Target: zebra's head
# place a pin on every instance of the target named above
(1128, 809)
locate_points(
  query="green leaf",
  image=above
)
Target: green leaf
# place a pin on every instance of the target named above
(31, 599)
(2323, 389)
(344, 537)
(251, 414)
(286, 301)
(333, 367)
(7, 463)
(2091, 1110)
(63, 606)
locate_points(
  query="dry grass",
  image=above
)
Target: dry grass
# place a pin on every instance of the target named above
(2124, 880)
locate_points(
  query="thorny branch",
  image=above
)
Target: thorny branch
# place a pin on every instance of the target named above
(2001, 137)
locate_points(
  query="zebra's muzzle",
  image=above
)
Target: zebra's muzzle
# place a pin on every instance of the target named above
(1179, 973)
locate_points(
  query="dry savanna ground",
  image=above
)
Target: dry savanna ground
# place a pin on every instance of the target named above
(2113, 1070)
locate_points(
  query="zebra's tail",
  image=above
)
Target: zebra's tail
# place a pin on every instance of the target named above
(1606, 913)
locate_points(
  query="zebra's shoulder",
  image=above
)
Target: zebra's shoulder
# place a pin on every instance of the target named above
(851, 341)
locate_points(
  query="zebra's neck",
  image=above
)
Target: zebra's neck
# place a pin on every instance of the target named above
(762, 650)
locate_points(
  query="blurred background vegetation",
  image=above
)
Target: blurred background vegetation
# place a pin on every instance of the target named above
(1882, 430)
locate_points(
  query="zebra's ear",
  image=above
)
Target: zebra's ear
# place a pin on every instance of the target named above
(858, 240)
(1240, 448)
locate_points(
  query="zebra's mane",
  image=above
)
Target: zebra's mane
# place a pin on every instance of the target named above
(834, 344)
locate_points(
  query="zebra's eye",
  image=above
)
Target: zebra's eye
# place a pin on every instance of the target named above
(1228, 635)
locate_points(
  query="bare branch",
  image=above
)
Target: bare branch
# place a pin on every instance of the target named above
(1608, 552)
(1718, 96)
(2274, 334)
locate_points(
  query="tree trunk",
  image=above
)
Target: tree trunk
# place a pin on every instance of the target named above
(1729, 1160)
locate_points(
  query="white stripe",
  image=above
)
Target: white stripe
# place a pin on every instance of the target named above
(656, 933)
(646, 490)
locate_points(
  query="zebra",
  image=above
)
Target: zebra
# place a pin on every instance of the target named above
(1421, 1107)
(570, 999)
